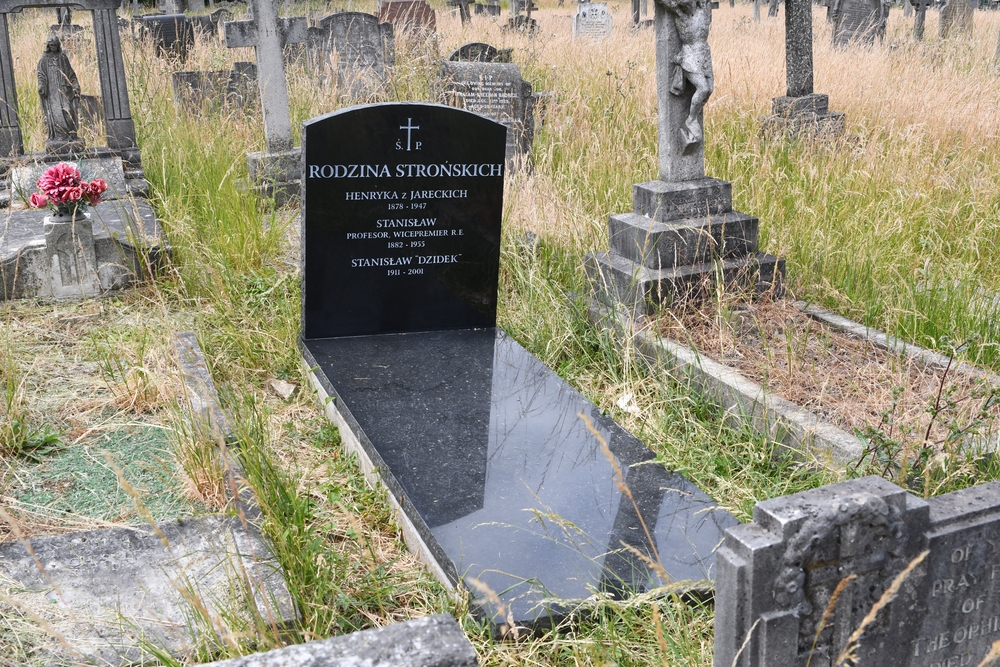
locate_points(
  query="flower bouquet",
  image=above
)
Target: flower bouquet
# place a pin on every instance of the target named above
(65, 192)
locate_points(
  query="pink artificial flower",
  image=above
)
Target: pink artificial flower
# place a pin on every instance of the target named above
(61, 175)
(38, 200)
(98, 186)
(74, 193)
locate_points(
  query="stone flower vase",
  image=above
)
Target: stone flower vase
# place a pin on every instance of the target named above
(69, 252)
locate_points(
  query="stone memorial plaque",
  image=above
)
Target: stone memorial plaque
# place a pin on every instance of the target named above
(858, 21)
(409, 15)
(408, 218)
(592, 20)
(497, 91)
(778, 577)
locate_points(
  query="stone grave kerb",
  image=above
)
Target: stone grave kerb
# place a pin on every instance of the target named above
(274, 172)
(118, 124)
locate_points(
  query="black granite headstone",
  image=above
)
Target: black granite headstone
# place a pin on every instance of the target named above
(486, 450)
(403, 225)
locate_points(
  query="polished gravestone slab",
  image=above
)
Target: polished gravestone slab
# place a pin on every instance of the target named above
(486, 451)
(489, 452)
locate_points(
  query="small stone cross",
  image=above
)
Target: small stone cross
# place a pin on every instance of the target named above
(268, 34)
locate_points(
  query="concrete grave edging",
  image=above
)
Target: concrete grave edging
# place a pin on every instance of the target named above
(747, 403)
(431, 641)
(348, 437)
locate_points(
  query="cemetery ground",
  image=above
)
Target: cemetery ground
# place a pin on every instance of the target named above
(895, 226)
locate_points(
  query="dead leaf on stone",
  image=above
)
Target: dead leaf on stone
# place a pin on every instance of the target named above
(282, 388)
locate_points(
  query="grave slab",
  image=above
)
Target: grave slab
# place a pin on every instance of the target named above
(432, 641)
(128, 241)
(107, 592)
(775, 601)
(487, 452)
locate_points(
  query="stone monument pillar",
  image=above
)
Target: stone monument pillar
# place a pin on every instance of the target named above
(275, 172)
(956, 18)
(920, 17)
(683, 234)
(801, 110)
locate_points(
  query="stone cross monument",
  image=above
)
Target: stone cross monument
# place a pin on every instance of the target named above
(801, 110)
(275, 173)
(683, 234)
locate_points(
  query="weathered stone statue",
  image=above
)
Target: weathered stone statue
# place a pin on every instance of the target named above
(693, 19)
(59, 91)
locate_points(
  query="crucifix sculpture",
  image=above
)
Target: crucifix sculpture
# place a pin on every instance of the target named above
(684, 84)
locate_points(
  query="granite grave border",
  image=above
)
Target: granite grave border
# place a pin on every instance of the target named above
(747, 403)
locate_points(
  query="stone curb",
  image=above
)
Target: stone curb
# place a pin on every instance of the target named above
(411, 536)
(748, 403)
(271, 595)
(432, 641)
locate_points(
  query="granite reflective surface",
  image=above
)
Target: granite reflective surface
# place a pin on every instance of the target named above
(489, 452)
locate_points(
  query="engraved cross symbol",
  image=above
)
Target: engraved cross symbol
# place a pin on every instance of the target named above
(409, 127)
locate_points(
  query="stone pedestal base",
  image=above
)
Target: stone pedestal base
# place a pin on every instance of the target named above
(71, 258)
(681, 241)
(276, 175)
(65, 147)
(806, 115)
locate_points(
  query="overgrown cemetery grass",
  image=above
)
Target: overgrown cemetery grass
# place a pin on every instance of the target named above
(895, 225)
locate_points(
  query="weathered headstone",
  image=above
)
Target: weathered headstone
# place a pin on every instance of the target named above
(797, 585)
(463, 9)
(275, 171)
(956, 18)
(479, 52)
(235, 88)
(172, 34)
(413, 16)
(683, 234)
(519, 22)
(497, 91)
(171, 6)
(592, 20)
(489, 7)
(858, 21)
(801, 110)
(473, 436)
(356, 48)
(640, 9)
(920, 8)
